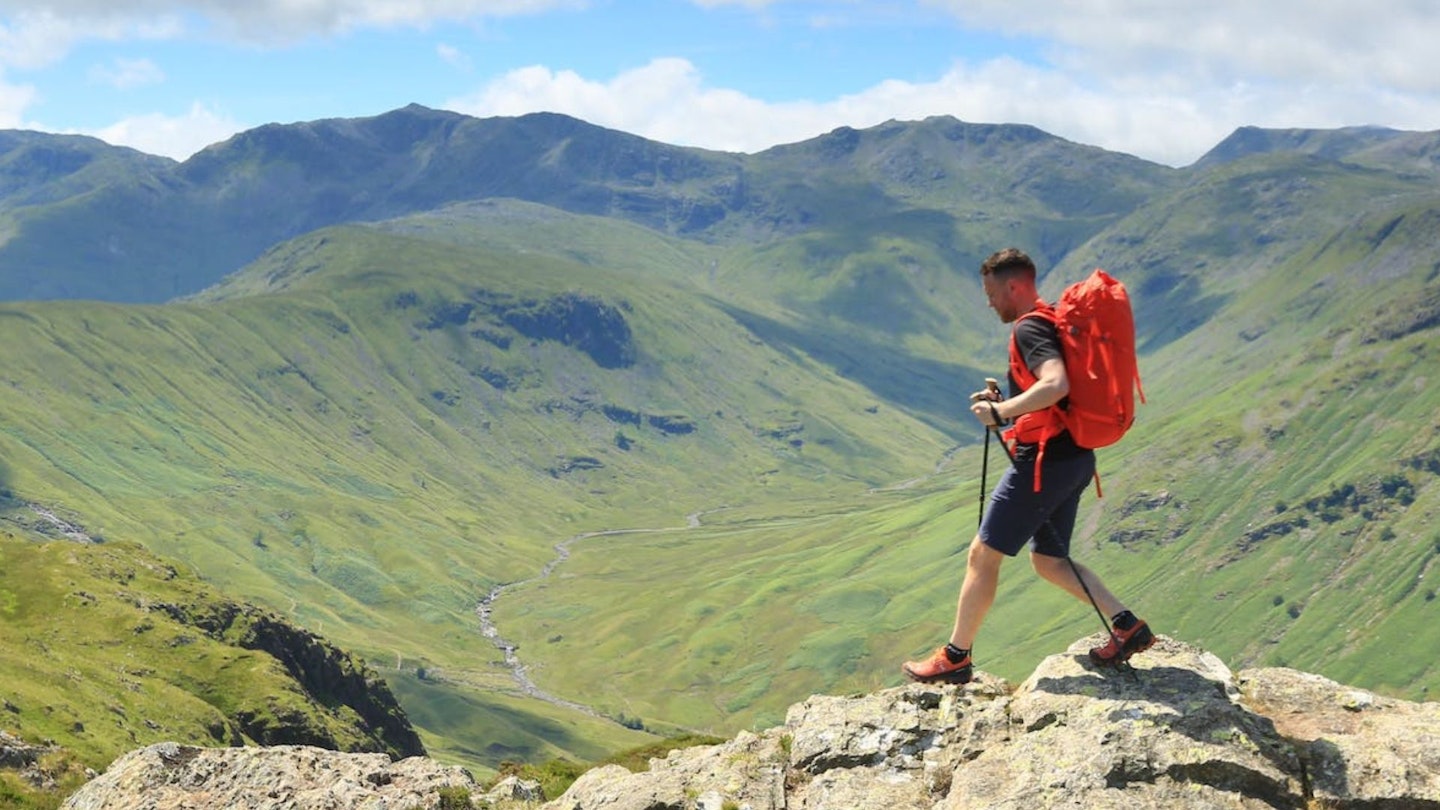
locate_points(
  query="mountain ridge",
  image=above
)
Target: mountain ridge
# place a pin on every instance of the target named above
(219, 209)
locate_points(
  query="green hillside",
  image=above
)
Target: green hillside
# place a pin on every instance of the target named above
(691, 426)
(109, 648)
(366, 432)
(1275, 503)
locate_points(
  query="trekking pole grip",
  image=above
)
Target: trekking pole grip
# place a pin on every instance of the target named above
(992, 386)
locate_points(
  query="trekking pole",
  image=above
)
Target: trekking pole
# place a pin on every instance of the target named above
(991, 387)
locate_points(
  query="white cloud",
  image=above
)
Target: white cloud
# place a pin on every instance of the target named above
(1295, 43)
(1224, 64)
(124, 74)
(453, 57)
(1334, 40)
(664, 100)
(14, 98)
(37, 36)
(668, 101)
(177, 137)
(266, 21)
(1165, 81)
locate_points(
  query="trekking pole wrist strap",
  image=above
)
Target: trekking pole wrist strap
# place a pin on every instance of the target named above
(995, 414)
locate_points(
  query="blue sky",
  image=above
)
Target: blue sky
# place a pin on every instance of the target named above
(1161, 80)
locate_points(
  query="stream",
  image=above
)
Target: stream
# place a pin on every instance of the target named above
(486, 611)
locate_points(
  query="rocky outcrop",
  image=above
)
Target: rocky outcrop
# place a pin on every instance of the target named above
(171, 777)
(337, 682)
(25, 759)
(583, 322)
(1179, 731)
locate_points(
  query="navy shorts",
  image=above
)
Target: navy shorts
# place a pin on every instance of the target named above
(1017, 514)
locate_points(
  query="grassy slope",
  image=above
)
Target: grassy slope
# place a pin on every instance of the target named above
(83, 659)
(332, 452)
(1324, 390)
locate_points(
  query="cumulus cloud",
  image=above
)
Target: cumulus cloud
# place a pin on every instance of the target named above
(124, 74)
(1226, 63)
(36, 36)
(1228, 40)
(1159, 80)
(664, 100)
(667, 100)
(453, 57)
(1164, 81)
(265, 21)
(14, 98)
(177, 137)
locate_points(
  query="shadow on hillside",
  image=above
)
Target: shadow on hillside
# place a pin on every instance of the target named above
(1168, 306)
(1204, 712)
(934, 392)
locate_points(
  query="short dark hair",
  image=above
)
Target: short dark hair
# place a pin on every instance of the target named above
(1008, 262)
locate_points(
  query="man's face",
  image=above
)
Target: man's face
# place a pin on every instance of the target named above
(998, 294)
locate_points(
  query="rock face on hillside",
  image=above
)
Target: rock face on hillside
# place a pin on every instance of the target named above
(1181, 731)
(336, 680)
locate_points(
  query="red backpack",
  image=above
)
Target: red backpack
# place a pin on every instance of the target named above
(1097, 337)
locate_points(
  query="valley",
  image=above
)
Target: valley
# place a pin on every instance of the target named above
(453, 419)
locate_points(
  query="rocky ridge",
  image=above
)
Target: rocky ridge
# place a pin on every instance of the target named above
(1179, 731)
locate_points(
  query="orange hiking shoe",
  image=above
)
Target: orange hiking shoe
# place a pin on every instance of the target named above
(1123, 644)
(938, 668)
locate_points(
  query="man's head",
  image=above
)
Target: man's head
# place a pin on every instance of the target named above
(1008, 277)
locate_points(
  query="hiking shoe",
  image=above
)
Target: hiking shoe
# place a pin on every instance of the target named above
(1122, 645)
(938, 668)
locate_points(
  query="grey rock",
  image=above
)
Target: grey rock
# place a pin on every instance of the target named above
(1358, 748)
(1178, 731)
(167, 776)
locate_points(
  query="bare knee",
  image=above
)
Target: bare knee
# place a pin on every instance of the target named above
(1051, 568)
(983, 557)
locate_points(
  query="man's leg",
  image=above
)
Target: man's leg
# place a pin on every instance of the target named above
(977, 592)
(951, 663)
(1058, 571)
(1010, 523)
(1128, 634)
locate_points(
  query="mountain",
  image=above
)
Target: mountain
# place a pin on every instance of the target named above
(1179, 731)
(580, 440)
(174, 229)
(38, 169)
(1406, 152)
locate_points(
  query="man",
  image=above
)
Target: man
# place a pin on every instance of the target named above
(1038, 497)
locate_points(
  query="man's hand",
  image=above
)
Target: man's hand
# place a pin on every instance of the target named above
(984, 409)
(982, 404)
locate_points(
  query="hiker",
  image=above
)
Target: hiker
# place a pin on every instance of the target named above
(1024, 508)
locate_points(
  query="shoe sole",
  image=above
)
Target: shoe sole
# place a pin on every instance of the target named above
(1138, 643)
(957, 677)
